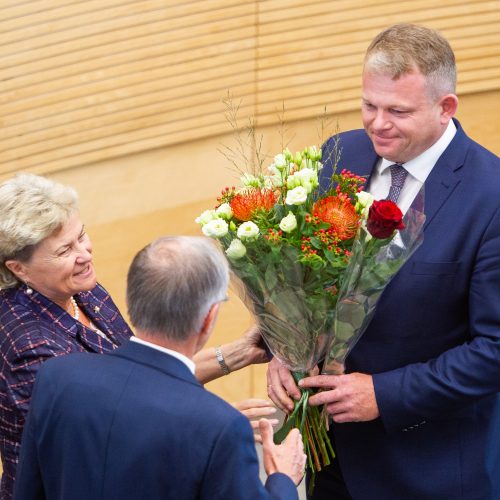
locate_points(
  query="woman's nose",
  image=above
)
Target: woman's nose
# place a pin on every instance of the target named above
(84, 252)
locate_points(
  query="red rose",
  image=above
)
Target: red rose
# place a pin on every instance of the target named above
(384, 218)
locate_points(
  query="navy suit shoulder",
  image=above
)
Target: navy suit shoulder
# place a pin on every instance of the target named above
(136, 424)
(353, 150)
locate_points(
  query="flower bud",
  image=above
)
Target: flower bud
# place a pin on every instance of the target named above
(224, 211)
(205, 217)
(288, 223)
(236, 249)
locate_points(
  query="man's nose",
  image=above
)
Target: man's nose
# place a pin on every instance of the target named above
(381, 120)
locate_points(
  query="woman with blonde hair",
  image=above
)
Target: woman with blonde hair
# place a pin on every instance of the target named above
(52, 305)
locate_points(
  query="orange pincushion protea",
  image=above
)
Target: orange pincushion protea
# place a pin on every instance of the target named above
(245, 204)
(339, 213)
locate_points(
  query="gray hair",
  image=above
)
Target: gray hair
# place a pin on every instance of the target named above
(173, 282)
(402, 48)
(31, 208)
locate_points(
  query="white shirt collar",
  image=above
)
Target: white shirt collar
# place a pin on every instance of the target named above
(188, 362)
(421, 166)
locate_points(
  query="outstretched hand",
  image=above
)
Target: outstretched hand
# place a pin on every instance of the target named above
(288, 457)
(255, 409)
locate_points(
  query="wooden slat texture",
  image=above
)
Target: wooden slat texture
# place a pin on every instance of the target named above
(85, 81)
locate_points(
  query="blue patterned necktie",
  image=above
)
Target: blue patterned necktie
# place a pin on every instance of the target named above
(398, 177)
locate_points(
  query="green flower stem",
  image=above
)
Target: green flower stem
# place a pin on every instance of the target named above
(311, 422)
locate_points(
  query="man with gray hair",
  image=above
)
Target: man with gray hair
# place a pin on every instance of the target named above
(136, 423)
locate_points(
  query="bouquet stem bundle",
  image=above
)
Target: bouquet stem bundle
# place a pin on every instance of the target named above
(310, 420)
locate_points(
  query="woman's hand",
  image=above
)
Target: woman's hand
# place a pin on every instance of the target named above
(281, 386)
(252, 343)
(245, 350)
(255, 409)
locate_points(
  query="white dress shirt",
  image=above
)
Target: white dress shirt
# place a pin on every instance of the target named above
(418, 170)
(188, 362)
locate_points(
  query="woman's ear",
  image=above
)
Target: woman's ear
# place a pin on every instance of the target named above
(17, 268)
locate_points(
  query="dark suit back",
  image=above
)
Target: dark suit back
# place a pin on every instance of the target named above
(135, 424)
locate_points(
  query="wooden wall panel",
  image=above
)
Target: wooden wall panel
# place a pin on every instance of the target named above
(83, 82)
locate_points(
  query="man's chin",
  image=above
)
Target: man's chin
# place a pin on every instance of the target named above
(385, 151)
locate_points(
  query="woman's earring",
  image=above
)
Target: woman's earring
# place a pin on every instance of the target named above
(28, 290)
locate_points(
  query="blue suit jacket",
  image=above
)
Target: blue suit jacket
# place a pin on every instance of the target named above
(136, 424)
(434, 342)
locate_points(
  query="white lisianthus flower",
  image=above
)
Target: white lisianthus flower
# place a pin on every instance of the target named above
(248, 231)
(296, 196)
(224, 210)
(279, 161)
(215, 228)
(205, 217)
(236, 250)
(364, 202)
(288, 223)
(306, 177)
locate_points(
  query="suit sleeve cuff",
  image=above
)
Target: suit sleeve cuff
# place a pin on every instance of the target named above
(281, 486)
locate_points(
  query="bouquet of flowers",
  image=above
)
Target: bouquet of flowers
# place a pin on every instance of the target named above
(298, 251)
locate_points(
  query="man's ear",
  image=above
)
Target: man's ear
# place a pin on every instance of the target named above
(207, 326)
(17, 268)
(449, 105)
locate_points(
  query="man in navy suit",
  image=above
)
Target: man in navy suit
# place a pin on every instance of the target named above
(136, 424)
(417, 414)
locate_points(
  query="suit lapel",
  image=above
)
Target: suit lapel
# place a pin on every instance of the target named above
(446, 175)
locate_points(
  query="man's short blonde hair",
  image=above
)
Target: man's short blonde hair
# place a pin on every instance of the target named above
(402, 48)
(31, 208)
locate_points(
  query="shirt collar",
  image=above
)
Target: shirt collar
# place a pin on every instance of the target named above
(188, 362)
(421, 166)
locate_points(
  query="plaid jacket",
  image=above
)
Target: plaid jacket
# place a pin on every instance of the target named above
(33, 329)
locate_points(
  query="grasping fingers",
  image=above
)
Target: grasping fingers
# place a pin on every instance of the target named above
(281, 385)
(256, 409)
